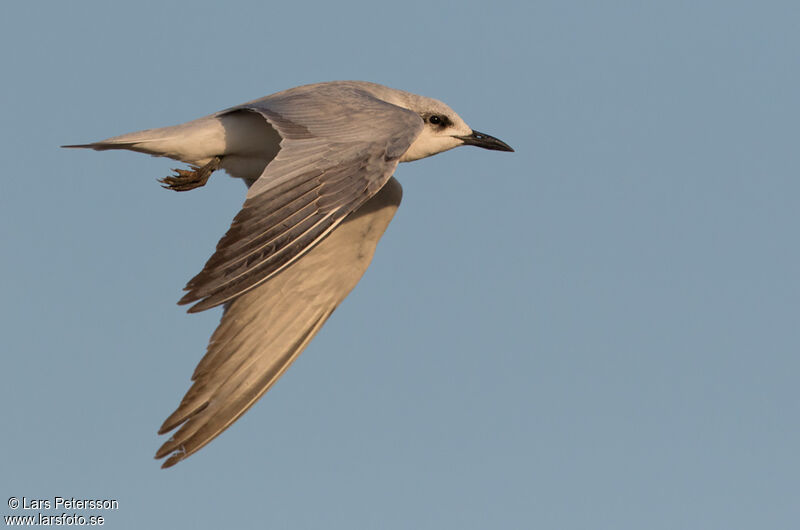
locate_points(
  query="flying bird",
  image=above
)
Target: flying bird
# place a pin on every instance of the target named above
(318, 162)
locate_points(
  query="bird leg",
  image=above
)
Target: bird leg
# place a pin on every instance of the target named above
(189, 179)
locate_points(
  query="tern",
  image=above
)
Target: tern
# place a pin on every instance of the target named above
(318, 162)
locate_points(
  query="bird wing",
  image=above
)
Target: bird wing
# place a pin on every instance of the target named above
(266, 328)
(339, 146)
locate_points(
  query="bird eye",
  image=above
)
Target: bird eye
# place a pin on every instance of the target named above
(435, 120)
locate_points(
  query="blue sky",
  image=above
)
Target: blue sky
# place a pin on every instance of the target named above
(597, 331)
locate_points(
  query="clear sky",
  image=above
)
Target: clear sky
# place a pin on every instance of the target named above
(599, 331)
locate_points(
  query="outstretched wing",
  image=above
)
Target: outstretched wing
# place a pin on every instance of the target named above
(265, 329)
(339, 147)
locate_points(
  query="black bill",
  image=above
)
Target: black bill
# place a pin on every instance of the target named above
(487, 142)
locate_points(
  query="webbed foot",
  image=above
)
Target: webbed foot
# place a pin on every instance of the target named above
(189, 179)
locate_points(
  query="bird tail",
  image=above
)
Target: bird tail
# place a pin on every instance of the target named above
(192, 142)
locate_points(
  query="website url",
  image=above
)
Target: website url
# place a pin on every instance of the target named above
(64, 519)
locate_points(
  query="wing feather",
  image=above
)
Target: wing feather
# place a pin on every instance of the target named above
(337, 150)
(265, 329)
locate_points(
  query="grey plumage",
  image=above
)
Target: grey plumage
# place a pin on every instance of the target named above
(318, 162)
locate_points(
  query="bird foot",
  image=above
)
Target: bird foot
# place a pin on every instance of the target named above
(189, 179)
